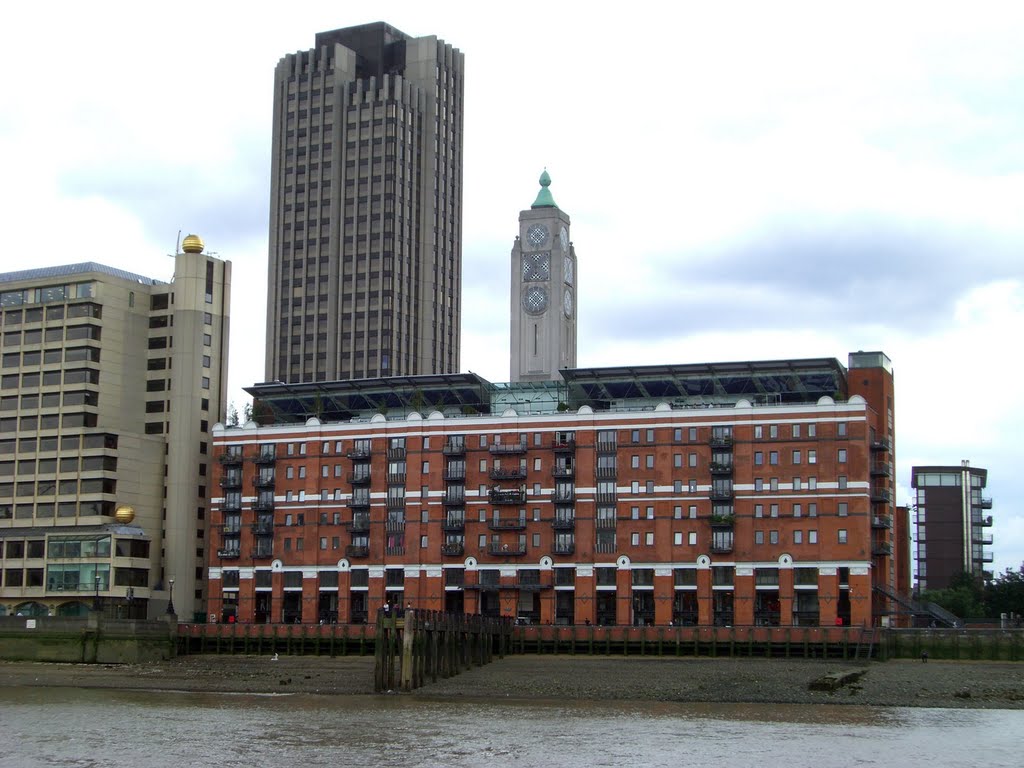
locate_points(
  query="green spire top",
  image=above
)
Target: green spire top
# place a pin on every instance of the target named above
(544, 198)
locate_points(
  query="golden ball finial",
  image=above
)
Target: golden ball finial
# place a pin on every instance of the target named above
(192, 244)
(124, 514)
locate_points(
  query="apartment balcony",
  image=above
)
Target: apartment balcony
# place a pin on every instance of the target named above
(264, 549)
(986, 522)
(723, 521)
(720, 441)
(514, 473)
(564, 497)
(514, 496)
(395, 526)
(228, 554)
(264, 481)
(721, 494)
(230, 459)
(881, 549)
(879, 444)
(881, 521)
(721, 548)
(507, 523)
(607, 446)
(563, 472)
(453, 549)
(881, 469)
(985, 503)
(720, 468)
(359, 478)
(454, 499)
(396, 478)
(453, 523)
(454, 449)
(605, 523)
(563, 548)
(396, 454)
(455, 475)
(265, 457)
(359, 502)
(356, 552)
(506, 449)
(359, 453)
(231, 482)
(981, 538)
(265, 528)
(507, 550)
(605, 473)
(231, 529)
(881, 495)
(605, 498)
(987, 557)
(359, 524)
(231, 506)
(263, 505)
(564, 522)
(564, 446)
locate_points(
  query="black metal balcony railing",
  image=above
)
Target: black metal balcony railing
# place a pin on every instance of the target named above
(881, 495)
(720, 494)
(986, 522)
(454, 523)
(982, 538)
(359, 524)
(263, 551)
(507, 523)
(231, 529)
(513, 496)
(563, 496)
(564, 446)
(881, 444)
(605, 473)
(531, 586)
(264, 480)
(455, 474)
(359, 453)
(359, 478)
(454, 499)
(987, 557)
(265, 528)
(263, 505)
(720, 441)
(606, 497)
(881, 469)
(357, 551)
(720, 468)
(508, 473)
(227, 554)
(605, 522)
(507, 448)
(607, 446)
(359, 502)
(230, 458)
(881, 548)
(395, 526)
(231, 506)
(723, 521)
(985, 503)
(396, 478)
(881, 521)
(231, 481)
(454, 449)
(507, 550)
(396, 454)
(453, 549)
(563, 472)
(563, 522)
(563, 548)
(266, 457)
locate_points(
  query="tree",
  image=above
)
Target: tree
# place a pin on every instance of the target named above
(964, 597)
(232, 415)
(1005, 593)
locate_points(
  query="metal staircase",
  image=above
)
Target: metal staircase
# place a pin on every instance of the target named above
(918, 609)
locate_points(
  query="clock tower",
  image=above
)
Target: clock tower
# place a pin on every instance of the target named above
(543, 292)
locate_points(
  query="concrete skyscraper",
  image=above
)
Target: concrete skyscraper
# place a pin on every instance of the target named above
(366, 208)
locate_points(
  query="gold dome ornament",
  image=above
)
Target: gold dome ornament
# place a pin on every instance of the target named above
(192, 244)
(124, 514)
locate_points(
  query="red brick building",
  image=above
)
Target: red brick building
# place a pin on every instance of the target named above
(734, 493)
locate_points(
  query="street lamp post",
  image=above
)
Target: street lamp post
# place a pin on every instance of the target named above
(96, 597)
(170, 596)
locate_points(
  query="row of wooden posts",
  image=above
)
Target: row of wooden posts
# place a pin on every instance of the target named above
(414, 646)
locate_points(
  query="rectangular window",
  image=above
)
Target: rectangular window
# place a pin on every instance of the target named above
(842, 482)
(812, 430)
(773, 537)
(758, 432)
(650, 461)
(758, 458)
(797, 484)
(841, 429)
(649, 538)
(798, 537)
(693, 538)
(796, 430)
(677, 538)
(634, 539)
(842, 455)
(773, 457)
(773, 431)
(759, 510)
(812, 537)
(796, 457)
(812, 457)
(843, 509)
(842, 535)
(759, 537)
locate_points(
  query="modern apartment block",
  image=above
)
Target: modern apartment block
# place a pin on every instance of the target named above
(366, 208)
(950, 524)
(729, 493)
(109, 384)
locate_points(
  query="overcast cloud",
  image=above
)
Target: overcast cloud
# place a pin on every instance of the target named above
(745, 181)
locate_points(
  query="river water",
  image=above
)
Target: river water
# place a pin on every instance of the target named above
(93, 728)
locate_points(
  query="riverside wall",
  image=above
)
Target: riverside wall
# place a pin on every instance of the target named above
(93, 639)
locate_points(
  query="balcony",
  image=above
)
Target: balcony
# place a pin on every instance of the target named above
(507, 523)
(986, 522)
(264, 480)
(395, 526)
(263, 505)
(513, 473)
(265, 528)
(453, 523)
(720, 468)
(455, 474)
(881, 469)
(720, 441)
(359, 478)
(506, 449)
(723, 521)
(454, 449)
(881, 495)
(230, 458)
(985, 503)
(359, 524)
(354, 551)
(234, 505)
(359, 453)
(605, 473)
(987, 557)
(266, 457)
(881, 549)
(564, 522)
(981, 538)
(507, 550)
(359, 502)
(563, 548)
(607, 446)
(881, 444)
(564, 445)
(563, 472)
(396, 454)
(396, 478)
(605, 497)
(231, 529)
(396, 502)
(720, 494)
(264, 549)
(227, 554)
(231, 482)
(453, 549)
(881, 521)
(514, 496)
(564, 496)
(605, 522)
(454, 499)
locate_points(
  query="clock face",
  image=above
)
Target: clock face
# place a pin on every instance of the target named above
(537, 235)
(567, 268)
(536, 266)
(563, 236)
(535, 300)
(567, 302)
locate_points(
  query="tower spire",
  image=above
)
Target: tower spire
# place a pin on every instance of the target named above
(544, 198)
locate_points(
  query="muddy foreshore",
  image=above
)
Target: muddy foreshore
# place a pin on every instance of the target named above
(894, 683)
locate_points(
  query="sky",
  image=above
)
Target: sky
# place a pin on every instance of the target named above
(746, 181)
